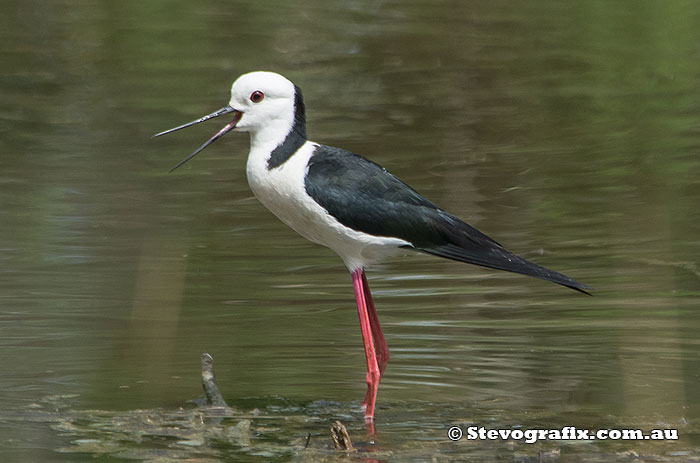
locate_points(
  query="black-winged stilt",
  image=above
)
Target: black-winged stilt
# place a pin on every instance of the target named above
(343, 201)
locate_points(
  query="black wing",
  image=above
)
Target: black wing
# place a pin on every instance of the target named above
(363, 196)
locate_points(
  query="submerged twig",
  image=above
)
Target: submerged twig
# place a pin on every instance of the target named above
(341, 439)
(211, 390)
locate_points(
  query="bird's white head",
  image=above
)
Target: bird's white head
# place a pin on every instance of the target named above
(265, 104)
(265, 99)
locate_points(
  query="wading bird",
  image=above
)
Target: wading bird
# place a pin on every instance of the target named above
(343, 201)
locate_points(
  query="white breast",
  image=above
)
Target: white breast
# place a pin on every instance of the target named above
(282, 191)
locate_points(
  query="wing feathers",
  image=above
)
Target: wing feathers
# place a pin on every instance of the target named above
(365, 197)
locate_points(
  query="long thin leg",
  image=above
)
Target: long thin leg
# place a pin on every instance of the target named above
(373, 374)
(380, 345)
(379, 341)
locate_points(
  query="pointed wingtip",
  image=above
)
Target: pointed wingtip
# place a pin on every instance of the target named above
(582, 289)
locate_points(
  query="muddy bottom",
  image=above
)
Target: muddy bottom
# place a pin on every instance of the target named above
(284, 431)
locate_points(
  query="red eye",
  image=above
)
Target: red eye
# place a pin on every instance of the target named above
(257, 96)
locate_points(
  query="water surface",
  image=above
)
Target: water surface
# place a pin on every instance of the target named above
(567, 131)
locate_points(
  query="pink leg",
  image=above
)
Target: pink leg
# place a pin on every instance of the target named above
(379, 342)
(373, 374)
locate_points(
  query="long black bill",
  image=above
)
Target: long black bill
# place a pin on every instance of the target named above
(225, 110)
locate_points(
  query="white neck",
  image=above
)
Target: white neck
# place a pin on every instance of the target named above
(269, 137)
(264, 138)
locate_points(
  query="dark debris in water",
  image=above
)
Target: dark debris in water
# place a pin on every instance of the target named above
(201, 434)
(280, 430)
(341, 438)
(294, 433)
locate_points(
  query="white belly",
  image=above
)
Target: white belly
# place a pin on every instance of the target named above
(282, 191)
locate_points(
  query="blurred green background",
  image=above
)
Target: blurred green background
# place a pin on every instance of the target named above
(568, 131)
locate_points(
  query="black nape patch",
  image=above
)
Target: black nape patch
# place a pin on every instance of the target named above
(296, 136)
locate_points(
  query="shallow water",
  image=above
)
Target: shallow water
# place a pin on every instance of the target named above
(567, 132)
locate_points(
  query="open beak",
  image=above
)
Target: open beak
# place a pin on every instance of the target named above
(225, 110)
